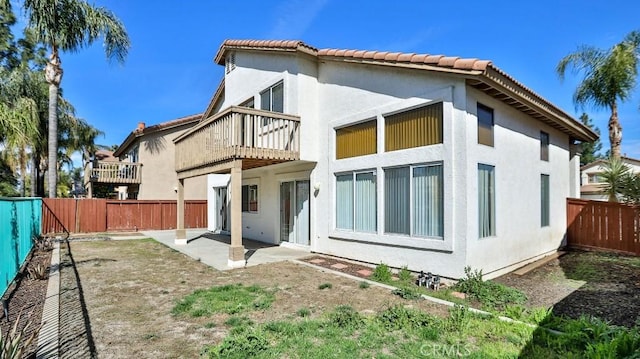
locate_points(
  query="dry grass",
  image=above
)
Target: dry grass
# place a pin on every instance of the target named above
(130, 288)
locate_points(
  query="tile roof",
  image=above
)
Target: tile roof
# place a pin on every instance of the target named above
(480, 74)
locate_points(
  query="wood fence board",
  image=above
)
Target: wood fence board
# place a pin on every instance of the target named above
(605, 225)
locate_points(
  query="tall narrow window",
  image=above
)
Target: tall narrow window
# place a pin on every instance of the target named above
(486, 201)
(413, 200)
(356, 140)
(356, 201)
(272, 99)
(485, 125)
(544, 200)
(414, 128)
(544, 146)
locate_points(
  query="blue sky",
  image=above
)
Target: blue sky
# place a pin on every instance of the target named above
(170, 71)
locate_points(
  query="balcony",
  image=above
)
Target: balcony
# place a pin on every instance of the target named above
(115, 172)
(259, 138)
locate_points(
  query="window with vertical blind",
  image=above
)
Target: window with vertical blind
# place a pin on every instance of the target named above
(356, 201)
(544, 200)
(356, 140)
(414, 201)
(544, 146)
(414, 128)
(485, 125)
(486, 201)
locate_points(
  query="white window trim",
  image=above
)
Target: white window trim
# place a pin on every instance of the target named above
(353, 213)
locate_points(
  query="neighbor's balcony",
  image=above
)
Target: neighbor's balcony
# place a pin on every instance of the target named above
(115, 172)
(257, 137)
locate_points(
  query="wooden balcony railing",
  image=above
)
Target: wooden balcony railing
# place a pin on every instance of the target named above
(240, 133)
(115, 172)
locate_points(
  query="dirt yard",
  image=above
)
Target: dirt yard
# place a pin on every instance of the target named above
(130, 287)
(590, 283)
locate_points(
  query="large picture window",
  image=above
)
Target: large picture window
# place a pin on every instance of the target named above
(414, 201)
(486, 201)
(356, 140)
(356, 206)
(414, 128)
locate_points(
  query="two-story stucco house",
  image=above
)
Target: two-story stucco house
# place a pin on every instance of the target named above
(432, 162)
(143, 167)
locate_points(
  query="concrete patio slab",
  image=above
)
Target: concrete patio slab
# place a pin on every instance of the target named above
(213, 249)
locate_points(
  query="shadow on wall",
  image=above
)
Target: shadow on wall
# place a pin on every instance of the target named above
(155, 145)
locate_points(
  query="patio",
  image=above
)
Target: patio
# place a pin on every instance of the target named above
(213, 249)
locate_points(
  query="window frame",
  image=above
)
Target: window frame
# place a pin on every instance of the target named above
(361, 124)
(545, 200)
(412, 200)
(249, 206)
(481, 124)
(492, 220)
(544, 146)
(269, 90)
(395, 118)
(354, 208)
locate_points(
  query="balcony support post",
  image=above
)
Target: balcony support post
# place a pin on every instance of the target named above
(181, 233)
(236, 250)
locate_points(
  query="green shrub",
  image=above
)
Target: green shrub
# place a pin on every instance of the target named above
(325, 286)
(236, 321)
(303, 312)
(364, 285)
(247, 344)
(490, 294)
(345, 316)
(407, 293)
(382, 273)
(401, 317)
(405, 275)
(13, 344)
(459, 318)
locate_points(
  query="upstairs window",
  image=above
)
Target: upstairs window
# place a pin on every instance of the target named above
(414, 128)
(272, 99)
(250, 103)
(485, 125)
(356, 140)
(544, 146)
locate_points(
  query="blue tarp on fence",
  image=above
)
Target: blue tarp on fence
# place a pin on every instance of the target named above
(20, 221)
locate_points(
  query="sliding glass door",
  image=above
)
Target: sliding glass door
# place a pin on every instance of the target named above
(294, 212)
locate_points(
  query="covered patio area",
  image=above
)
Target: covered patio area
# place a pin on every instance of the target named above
(213, 249)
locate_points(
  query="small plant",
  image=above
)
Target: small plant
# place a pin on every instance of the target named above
(37, 271)
(459, 317)
(246, 344)
(42, 243)
(303, 312)
(325, 286)
(345, 316)
(407, 293)
(230, 299)
(490, 294)
(13, 345)
(364, 285)
(382, 273)
(401, 317)
(405, 275)
(236, 321)
(210, 325)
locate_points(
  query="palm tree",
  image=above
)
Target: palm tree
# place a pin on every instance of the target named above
(609, 77)
(69, 25)
(615, 176)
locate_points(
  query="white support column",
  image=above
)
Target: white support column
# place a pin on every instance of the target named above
(574, 171)
(236, 250)
(181, 233)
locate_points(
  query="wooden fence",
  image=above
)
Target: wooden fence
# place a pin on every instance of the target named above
(62, 215)
(603, 225)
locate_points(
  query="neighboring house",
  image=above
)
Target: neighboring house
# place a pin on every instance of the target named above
(143, 165)
(432, 162)
(591, 180)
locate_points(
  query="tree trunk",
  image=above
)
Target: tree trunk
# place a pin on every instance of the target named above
(53, 75)
(615, 132)
(35, 165)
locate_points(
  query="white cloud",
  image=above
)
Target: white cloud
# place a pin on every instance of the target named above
(295, 18)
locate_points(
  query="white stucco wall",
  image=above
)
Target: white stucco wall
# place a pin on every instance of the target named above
(518, 167)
